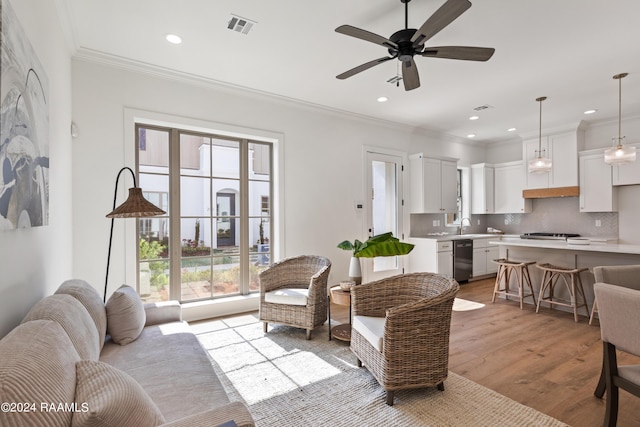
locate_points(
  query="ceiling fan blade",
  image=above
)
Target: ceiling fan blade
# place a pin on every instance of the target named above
(363, 67)
(410, 75)
(466, 53)
(366, 35)
(442, 17)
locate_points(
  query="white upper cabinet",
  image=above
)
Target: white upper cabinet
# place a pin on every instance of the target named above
(434, 184)
(596, 191)
(509, 183)
(482, 182)
(627, 174)
(563, 149)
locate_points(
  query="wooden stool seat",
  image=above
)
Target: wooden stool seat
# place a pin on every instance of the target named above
(503, 277)
(572, 282)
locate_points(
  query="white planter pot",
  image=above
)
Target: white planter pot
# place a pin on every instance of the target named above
(355, 271)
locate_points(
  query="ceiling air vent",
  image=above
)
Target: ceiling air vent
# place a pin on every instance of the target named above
(482, 107)
(240, 24)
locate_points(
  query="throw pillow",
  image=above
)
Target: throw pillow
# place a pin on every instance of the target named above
(106, 396)
(125, 315)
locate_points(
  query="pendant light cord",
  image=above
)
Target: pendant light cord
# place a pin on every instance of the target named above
(620, 110)
(619, 77)
(542, 98)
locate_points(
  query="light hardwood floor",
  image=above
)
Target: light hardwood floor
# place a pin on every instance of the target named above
(545, 360)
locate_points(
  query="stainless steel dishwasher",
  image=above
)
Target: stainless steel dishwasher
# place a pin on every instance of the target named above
(462, 259)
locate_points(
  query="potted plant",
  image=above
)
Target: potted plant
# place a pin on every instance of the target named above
(380, 245)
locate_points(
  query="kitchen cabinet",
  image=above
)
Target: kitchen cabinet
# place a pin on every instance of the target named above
(627, 174)
(431, 255)
(508, 186)
(483, 256)
(434, 184)
(596, 189)
(563, 150)
(482, 187)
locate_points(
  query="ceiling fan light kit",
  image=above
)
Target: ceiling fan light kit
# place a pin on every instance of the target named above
(620, 154)
(540, 164)
(409, 42)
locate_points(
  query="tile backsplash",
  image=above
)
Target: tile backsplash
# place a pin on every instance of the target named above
(555, 215)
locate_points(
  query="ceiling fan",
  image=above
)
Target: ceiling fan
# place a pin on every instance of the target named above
(407, 43)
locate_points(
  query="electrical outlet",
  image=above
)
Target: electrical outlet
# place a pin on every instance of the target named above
(598, 223)
(478, 222)
(436, 223)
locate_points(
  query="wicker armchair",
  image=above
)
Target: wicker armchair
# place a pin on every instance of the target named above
(401, 330)
(294, 292)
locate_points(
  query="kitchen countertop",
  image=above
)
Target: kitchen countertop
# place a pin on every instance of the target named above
(444, 237)
(562, 245)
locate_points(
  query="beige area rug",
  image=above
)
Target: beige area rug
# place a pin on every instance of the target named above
(289, 381)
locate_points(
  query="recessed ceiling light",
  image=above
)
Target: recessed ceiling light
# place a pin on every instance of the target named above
(383, 99)
(471, 135)
(590, 111)
(511, 130)
(474, 117)
(173, 38)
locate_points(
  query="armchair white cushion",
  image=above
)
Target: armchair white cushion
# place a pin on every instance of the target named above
(291, 296)
(371, 328)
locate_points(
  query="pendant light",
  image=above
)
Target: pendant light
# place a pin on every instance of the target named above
(540, 164)
(620, 154)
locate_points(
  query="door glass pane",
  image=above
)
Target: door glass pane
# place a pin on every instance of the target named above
(195, 278)
(153, 245)
(195, 196)
(259, 198)
(259, 161)
(196, 237)
(226, 274)
(154, 259)
(225, 158)
(153, 150)
(384, 207)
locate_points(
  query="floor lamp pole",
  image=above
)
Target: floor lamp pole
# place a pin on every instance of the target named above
(115, 194)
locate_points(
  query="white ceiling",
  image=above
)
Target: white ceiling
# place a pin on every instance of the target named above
(567, 50)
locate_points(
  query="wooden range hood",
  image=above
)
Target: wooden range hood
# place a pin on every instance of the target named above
(545, 193)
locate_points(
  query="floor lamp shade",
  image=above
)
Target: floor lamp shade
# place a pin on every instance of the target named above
(136, 206)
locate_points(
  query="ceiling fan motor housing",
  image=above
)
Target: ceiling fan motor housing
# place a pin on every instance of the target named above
(405, 50)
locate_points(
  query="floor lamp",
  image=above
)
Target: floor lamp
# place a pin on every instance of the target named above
(136, 206)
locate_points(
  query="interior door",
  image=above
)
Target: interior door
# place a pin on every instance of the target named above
(384, 210)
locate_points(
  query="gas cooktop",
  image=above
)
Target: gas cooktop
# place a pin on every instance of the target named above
(548, 236)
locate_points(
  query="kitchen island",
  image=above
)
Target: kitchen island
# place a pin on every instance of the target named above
(563, 254)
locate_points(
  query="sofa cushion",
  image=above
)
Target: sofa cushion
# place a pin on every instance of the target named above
(37, 364)
(167, 360)
(90, 299)
(372, 329)
(74, 319)
(290, 296)
(112, 397)
(125, 315)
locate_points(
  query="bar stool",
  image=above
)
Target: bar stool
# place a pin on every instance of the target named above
(573, 283)
(521, 270)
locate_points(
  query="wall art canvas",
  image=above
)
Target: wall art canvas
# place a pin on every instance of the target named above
(24, 129)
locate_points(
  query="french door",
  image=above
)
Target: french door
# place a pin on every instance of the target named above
(383, 209)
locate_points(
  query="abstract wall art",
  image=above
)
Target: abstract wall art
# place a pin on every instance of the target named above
(24, 129)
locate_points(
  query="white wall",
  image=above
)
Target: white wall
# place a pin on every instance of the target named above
(322, 160)
(35, 261)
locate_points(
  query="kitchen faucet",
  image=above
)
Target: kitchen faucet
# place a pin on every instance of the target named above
(462, 224)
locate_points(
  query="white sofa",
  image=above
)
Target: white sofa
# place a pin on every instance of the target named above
(62, 366)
